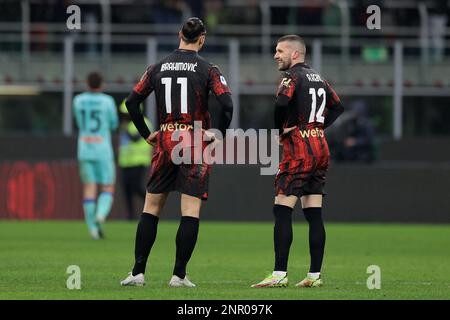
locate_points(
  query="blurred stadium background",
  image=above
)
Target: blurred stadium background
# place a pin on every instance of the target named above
(391, 147)
(394, 83)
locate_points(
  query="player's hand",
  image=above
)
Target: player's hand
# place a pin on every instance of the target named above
(287, 130)
(211, 136)
(213, 139)
(279, 138)
(151, 139)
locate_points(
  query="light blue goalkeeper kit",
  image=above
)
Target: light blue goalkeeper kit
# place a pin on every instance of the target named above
(96, 116)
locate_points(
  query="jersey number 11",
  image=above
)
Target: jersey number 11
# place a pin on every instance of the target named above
(167, 82)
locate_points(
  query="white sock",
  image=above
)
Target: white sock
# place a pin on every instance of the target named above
(314, 275)
(279, 273)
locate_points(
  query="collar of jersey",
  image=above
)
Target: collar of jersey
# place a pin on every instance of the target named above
(186, 51)
(300, 64)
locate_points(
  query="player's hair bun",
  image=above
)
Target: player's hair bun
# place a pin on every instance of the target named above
(192, 29)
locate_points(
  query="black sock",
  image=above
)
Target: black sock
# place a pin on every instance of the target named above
(282, 236)
(316, 237)
(185, 242)
(145, 237)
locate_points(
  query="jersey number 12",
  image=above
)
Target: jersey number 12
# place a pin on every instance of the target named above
(313, 116)
(167, 82)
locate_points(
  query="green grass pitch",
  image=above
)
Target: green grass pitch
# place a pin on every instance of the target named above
(229, 257)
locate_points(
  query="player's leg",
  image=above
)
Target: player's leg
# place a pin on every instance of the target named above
(282, 235)
(282, 240)
(145, 237)
(87, 176)
(163, 174)
(106, 172)
(192, 182)
(147, 229)
(89, 205)
(104, 202)
(312, 209)
(186, 239)
(104, 205)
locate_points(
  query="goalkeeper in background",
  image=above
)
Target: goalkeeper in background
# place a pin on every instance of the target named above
(96, 116)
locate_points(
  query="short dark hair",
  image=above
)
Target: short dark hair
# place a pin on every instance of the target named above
(192, 29)
(94, 80)
(292, 37)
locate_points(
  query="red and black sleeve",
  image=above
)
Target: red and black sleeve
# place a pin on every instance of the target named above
(285, 93)
(145, 85)
(140, 92)
(218, 85)
(333, 107)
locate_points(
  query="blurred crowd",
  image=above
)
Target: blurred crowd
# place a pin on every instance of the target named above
(354, 137)
(214, 12)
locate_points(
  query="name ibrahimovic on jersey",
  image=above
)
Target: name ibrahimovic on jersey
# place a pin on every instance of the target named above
(178, 66)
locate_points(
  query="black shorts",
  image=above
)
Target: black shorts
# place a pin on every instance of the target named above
(165, 176)
(304, 164)
(303, 177)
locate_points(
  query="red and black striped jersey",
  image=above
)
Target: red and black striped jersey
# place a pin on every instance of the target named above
(182, 82)
(309, 100)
